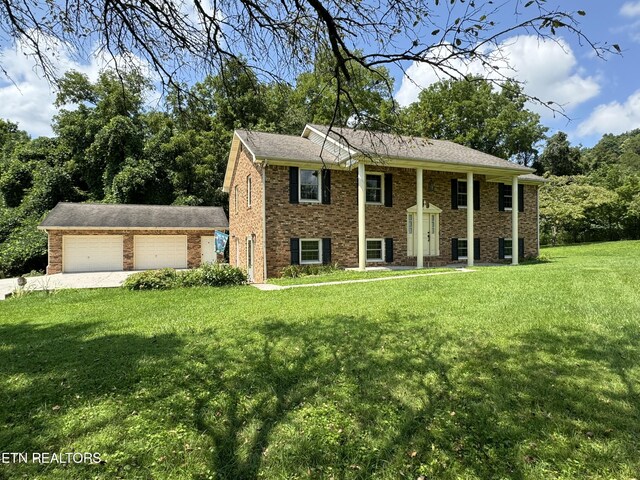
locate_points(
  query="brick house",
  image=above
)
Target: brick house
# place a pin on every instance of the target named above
(359, 199)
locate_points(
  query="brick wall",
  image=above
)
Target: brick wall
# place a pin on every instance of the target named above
(246, 222)
(339, 220)
(193, 245)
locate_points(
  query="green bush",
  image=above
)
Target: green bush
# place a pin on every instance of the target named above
(208, 275)
(295, 271)
(153, 280)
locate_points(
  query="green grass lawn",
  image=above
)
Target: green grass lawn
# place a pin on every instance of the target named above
(342, 275)
(506, 373)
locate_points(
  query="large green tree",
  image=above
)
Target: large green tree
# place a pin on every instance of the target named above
(559, 157)
(473, 112)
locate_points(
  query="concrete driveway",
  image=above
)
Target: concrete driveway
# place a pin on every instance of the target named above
(66, 280)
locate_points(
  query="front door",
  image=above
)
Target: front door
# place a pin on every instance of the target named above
(250, 259)
(430, 234)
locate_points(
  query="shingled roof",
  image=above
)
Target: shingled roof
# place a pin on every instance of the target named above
(283, 147)
(387, 145)
(101, 215)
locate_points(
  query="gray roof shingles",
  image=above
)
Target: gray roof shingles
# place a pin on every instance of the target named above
(284, 147)
(102, 215)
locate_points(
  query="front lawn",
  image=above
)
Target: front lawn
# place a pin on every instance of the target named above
(342, 275)
(529, 372)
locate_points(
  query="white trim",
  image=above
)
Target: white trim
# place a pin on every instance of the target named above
(249, 186)
(538, 216)
(304, 200)
(362, 199)
(377, 174)
(382, 250)
(470, 234)
(346, 148)
(419, 248)
(515, 197)
(310, 262)
(466, 257)
(504, 240)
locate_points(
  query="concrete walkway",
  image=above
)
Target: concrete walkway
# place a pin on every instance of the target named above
(66, 280)
(271, 286)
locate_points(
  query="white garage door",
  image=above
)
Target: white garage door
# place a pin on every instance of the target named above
(91, 253)
(160, 251)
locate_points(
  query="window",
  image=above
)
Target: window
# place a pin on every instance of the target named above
(462, 249)
(462, 194)
(507, 197)
(310, 251)
(374, 188)
(309, 185)
(375, 251)
(249, 191)
(508, 248)
(235, 198)
(410, 223)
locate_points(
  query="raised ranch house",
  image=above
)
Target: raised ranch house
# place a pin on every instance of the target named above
(361, 199)
(89, 237)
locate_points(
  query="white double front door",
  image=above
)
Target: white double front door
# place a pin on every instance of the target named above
(430, 231)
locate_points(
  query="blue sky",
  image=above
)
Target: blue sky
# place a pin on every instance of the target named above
(599, 96)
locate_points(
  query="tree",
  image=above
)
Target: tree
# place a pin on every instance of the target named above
(280, 38)
(472, 112)
(559, 157)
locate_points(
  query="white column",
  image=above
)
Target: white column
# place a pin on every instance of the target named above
(419, 220)
(362, 200)
(514, 221)
(470, 206)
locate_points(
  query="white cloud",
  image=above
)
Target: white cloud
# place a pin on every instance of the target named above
(548, 69)
(614, 117)
(26, 97)
(630, 9)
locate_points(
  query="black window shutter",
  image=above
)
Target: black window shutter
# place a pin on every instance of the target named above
(293, 184)
(476, 195)
(521, 248)
(295, 251)
(501, 247)
(454, 194)
(388, 190)
(326, 251)
(326, 186)
(388, 250)
(501, 197)
(521, 198)
(476, 249)
(454, 249)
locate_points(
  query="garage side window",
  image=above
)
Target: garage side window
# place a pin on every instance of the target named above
(249, 191)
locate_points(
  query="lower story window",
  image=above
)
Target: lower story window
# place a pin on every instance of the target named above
(508, 248)
(310, 251)
(375, 250)
(462, 249)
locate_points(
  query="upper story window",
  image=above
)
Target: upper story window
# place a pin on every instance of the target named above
(374, 188)
(507, 196)
(309, 185)
(249, 191)
(462, 194)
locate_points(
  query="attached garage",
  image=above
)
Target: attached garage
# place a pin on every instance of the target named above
(159, 251)
(90, 253)
(87, 237)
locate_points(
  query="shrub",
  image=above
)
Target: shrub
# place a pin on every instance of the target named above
(219, 275)
(208, 275)
(295, 271)
(152, 280)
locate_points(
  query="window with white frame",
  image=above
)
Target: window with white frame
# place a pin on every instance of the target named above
(507, 196)
(310, 251)
(462, 194)
(309, 185)
(235, 198)
(374, 182)
(462, 249)
(249, 191)
(375, 250)
(508, 248)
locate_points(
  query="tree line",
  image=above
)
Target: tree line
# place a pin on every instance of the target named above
(110, 146)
